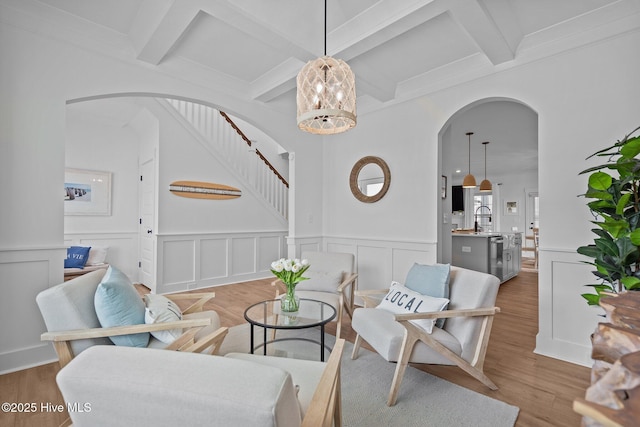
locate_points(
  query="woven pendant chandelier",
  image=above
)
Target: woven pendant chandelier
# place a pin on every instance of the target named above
(485, 185)
(469, 181)
(326, 97)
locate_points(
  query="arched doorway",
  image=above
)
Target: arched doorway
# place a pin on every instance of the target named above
(511, 128)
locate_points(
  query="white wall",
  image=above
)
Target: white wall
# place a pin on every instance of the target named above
(585, 99)
(95, 144)
(40, 73)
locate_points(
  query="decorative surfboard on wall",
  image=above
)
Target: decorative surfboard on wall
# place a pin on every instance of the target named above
(204, 190)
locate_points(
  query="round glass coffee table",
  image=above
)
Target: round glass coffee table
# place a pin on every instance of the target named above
(268, 315)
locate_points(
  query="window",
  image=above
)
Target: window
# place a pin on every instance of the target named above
(482, 211)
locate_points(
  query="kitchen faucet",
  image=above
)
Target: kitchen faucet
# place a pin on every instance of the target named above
(475, 216)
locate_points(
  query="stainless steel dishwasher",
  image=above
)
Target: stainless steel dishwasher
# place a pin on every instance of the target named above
(496, 250)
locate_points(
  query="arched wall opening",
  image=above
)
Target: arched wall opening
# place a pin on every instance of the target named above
(120, 133)
(511, 128)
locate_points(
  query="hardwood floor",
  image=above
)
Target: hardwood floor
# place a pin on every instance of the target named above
(543, 388)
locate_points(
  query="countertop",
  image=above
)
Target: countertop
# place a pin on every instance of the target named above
(484, 234)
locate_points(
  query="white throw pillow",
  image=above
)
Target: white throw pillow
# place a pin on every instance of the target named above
(402, 300)
(159, 309)
(97, 255)
(322, 281)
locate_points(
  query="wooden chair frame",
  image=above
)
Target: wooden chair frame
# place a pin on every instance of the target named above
(345, 296)
(413, 334)
(325, 409)
(186, 342)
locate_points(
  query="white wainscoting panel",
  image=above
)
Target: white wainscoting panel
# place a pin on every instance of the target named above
(566, 322)
(378, 262)
(243, 255)
(182, 256)
(214, 258)
(194, 261)
(23, 274)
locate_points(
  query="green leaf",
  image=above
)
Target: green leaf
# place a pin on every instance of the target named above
(600, 195)
(600, 181)
(590, 251)
(622, 203)
(591, 298)
(616, 228)
(630, 282)
(607, 246)
(634, 236)
(631, 148)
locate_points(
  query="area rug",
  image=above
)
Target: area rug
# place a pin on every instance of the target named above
(424, 400)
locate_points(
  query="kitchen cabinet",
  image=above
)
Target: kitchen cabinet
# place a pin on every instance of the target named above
(499, 254)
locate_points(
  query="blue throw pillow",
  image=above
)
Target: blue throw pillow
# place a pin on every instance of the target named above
(432, 280)
(117, 303)
(76, 257)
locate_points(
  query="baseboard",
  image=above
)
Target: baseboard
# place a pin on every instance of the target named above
(27, 358)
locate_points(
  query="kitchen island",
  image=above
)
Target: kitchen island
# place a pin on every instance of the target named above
(497, 253)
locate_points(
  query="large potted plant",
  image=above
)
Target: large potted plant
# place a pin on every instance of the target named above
(614, 188)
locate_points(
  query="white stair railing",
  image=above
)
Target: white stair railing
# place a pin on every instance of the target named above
(219, 130)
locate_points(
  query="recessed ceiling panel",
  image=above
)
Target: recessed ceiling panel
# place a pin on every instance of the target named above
(222, 47)
(115, 14)
(302, 21)
(425, 47)
(536, 15)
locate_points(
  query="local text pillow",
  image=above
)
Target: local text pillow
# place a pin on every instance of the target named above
(159, 309)
(402, 300)
(76, 257)
(117, 303)
(97, 255)
(321, 281)
(432, 280)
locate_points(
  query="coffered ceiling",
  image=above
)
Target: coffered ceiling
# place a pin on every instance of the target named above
(398, 49)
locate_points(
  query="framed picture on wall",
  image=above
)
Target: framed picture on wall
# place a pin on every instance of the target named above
(87, 192)
(511, 208)
(443, 187)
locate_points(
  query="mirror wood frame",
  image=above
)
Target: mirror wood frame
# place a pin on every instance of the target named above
(353, 179)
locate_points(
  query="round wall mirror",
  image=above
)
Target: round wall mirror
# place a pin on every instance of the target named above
(370, 179)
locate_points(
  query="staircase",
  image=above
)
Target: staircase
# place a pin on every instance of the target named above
(226, 140)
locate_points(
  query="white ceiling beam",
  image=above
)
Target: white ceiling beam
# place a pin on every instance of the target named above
(505, 19)
(477, 22)
(276, 81)
(173, 25)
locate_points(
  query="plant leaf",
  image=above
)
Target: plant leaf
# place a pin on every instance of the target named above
(600, 181)
(631, 147)
(630, 282)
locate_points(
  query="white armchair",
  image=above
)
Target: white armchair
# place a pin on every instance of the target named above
(128, 386)
(462, 341)
(332, 279)
(69, 313)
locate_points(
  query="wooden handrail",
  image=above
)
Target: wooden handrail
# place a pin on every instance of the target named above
(248, 141)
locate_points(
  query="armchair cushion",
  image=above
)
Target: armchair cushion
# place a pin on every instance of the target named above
(432, 280)
(402, 300)
(321, 281)
(385, 335)
(117, 303)
(160, 309)
(124, 388)
(76, 257)
(70, 305)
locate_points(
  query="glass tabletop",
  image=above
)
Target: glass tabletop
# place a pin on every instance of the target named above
(269, 315)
